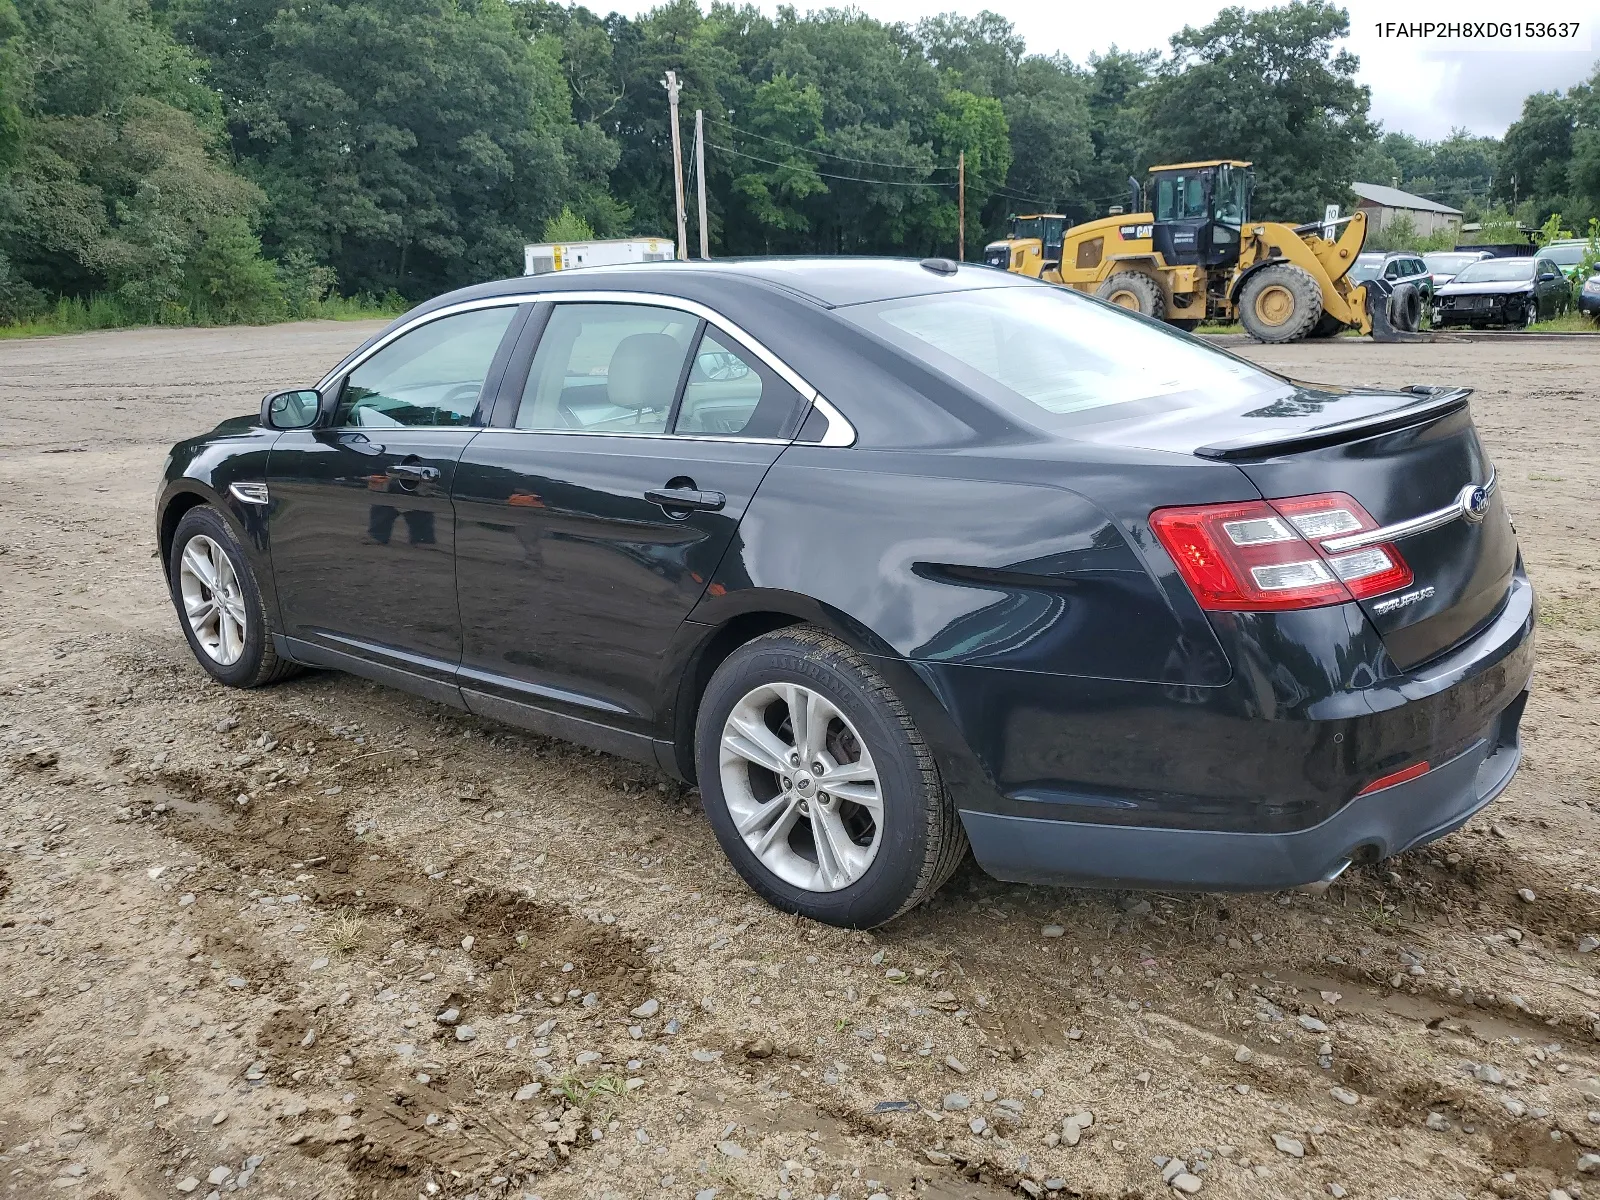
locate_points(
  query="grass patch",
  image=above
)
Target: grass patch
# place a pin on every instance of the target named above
(343, 933)
(1577, 614)
(73, 315)
(1572, 322)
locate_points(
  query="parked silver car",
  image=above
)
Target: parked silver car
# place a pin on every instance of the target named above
(1445, 265)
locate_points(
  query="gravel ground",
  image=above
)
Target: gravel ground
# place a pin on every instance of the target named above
(327, 940)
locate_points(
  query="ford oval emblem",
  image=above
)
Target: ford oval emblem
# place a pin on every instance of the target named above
(1475, 503)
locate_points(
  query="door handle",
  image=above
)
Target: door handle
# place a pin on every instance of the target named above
(412, 472)
(686, 498)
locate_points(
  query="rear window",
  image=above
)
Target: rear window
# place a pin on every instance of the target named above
(1564, 256)
(1497, 270)
(1052, 357)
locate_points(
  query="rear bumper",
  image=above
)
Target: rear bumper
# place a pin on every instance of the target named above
(1374, 826)
(1202, 793)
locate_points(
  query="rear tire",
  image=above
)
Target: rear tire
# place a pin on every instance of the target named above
(1135, 292)
(857, 856)
(1280, 303)
(219, 603)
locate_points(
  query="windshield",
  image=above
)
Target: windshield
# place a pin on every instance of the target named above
(1448, 264)
(1368, 266)
(1564, 256)
(1054, 358)
(1496, 270)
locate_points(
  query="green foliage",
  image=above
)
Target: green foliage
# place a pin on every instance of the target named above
(567, 226)
(1266, 86)
(10, 88)
(1457, 171)
(1551, 231)
(248, 160)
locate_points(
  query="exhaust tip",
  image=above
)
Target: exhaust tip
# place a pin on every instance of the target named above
(1318, 886)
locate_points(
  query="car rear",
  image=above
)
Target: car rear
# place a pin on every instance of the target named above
(1352, 557)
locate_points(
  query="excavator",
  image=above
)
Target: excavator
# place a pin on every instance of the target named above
(1187, 251)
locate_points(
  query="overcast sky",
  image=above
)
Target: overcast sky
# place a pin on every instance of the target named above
(1418, 88)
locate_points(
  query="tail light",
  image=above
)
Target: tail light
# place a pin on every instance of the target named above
(1264, 556)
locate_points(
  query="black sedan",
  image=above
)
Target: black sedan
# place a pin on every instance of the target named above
(1503, 291)
(888, 558)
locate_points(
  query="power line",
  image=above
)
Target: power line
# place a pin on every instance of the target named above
(865, 162)
(930, 183)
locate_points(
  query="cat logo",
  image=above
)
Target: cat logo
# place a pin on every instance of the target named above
(1132, 233)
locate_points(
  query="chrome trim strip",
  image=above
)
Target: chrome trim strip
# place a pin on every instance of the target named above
(622, 433)
(711, 316)
(249, 493)
(1459, 509)
(840, 431)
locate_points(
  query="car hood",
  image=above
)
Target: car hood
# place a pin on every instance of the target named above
(1487, 289)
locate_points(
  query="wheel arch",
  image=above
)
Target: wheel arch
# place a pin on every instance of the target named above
(724, 623)
(185, 496)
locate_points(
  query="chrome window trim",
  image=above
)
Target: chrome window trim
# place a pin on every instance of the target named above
(622, 433)
(840, 431)
(1458, 509)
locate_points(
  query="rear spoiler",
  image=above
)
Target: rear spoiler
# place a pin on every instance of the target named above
(1438, 402)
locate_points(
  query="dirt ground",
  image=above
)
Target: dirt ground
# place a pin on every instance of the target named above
(327, 940)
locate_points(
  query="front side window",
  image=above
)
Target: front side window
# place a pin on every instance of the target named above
(607, 368)
(431, 376)
(1055, 358)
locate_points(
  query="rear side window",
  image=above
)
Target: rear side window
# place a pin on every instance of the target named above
(732, 393)
(1052, 357)
(430, 376)
(607, 368)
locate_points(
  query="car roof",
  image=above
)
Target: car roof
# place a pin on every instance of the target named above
(829, 282)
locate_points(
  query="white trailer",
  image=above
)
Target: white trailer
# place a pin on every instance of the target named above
(569, 256)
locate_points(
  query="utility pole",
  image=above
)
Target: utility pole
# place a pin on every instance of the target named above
(672, 86)
(700, 178)
(961, 187)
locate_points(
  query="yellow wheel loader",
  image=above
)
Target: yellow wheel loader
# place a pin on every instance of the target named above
(1196, 255)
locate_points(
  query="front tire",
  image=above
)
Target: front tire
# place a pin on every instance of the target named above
(1135, 292)
(819, 786)
(1280, 303)
(219, 603)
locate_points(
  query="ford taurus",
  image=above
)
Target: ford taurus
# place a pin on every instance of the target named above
(890, 558)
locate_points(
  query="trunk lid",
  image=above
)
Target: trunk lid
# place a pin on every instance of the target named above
(1402, 455)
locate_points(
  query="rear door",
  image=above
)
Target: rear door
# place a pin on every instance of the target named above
(589, 525)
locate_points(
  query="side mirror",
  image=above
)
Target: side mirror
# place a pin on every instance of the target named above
(296, 409)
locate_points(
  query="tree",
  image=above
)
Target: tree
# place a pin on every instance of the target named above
(121, 180)
(1537, 148)
(1117, 83)
(1266, 86)
(10, 86)
(411, 144)
(1050, 132)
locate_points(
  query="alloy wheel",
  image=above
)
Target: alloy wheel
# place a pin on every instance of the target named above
(213, 601)
(801, 787)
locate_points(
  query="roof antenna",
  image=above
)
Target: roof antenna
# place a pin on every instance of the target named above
(939, 266)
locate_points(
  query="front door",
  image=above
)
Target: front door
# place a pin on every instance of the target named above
(361, 526)
(588, 530)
